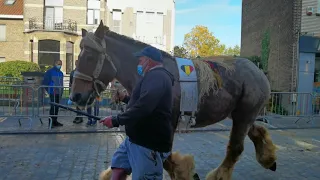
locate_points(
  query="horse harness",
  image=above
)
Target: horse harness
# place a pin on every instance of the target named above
(91, 41)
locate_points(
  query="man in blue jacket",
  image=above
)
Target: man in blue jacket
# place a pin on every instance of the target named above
(147, 121)
(53, 80)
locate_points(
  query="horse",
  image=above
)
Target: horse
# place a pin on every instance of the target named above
(237, 89)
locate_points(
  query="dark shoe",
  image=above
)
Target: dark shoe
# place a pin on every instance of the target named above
(75, 120)
(89, 123)
(78, 121)
(57, 124)
(93, 122)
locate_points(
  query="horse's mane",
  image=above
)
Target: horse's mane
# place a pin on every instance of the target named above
(208, 79)
(133, 41)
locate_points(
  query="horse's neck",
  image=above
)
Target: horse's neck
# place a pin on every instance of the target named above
(126, 64)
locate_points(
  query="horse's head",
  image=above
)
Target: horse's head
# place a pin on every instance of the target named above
(89, 79)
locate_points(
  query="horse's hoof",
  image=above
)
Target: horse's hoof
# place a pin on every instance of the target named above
(196, 176)
(273, 167)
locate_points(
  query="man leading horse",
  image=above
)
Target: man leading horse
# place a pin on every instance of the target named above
(147, 121)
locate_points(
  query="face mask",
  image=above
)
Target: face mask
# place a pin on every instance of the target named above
(58, 66)
(140, 70)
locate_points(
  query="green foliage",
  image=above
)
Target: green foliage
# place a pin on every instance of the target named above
(201, 42)
(256, 60)
(14, 68)
(45, 68)
(265, 50)
(232, 51)
(180, 51)
(275, 105)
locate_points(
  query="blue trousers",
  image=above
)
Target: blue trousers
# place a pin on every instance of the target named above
(96, 110)
(142, 162)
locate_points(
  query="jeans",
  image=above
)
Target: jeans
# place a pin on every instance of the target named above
(142, 162)
(54, 110)
(96, 110)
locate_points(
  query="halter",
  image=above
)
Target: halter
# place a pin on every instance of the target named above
(91, 42)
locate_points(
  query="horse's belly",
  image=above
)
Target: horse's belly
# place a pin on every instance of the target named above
(215, 109)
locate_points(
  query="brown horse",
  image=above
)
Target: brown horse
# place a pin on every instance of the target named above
(237, 90)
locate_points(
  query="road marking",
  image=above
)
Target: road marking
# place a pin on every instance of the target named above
(2, 119)
(315, 140)
(220, 124)
(305, 144)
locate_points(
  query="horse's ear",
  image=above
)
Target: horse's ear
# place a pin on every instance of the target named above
(84, 32)
(100, 32)
(106, 28)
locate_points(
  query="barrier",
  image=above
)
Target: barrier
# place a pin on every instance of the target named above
(101, 107)
(13, 104)
(24, 102)
(289, 105)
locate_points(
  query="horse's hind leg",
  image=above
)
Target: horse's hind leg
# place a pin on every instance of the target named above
(239, 131)
(265, 149)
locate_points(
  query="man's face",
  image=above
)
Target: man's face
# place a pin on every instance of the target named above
(58, 63)
(143, 61)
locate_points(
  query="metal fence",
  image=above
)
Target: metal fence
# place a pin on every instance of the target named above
(19, 102)
(23, 108)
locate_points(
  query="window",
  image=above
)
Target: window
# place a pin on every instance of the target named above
(48, 53)
(116, 17)
(9, 2)
(149, 27)
(53, 14)
(93, 16)
(2, 32)
(93, 12)
(2, 59)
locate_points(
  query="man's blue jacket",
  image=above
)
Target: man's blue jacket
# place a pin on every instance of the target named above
(53, 77)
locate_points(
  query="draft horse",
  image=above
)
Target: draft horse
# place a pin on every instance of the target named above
(238, 90)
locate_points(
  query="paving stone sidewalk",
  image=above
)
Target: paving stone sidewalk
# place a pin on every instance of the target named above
(84, 156)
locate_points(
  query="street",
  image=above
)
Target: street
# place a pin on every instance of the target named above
(84, 156)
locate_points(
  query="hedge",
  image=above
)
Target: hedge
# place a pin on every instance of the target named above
(14, 68)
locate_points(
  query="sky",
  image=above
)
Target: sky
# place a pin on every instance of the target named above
(222, 17)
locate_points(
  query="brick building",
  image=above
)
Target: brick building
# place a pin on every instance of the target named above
(11, 30)
(47, 30)
(294, 28)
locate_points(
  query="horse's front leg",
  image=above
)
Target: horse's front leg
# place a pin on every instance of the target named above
(180, 167)
(234, 149)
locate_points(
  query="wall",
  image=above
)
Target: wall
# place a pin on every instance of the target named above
(129, 17)
(75, 10)
(310, 24)
(11, 49)
(278, 18)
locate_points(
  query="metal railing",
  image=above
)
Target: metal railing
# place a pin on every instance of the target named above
(19, 102)
(56, 24)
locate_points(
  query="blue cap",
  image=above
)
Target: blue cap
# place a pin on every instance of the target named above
(150, 52)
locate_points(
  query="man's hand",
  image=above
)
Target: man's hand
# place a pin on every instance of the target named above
(107, 121)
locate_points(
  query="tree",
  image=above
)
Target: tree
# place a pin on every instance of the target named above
(201, 42)
(179, 51)
(235, 51)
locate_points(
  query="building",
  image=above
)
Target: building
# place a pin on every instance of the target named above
(11, 30)
(294, 31)
(150, 21)
(51, 29)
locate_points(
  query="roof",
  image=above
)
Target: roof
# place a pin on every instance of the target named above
(15, 9)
